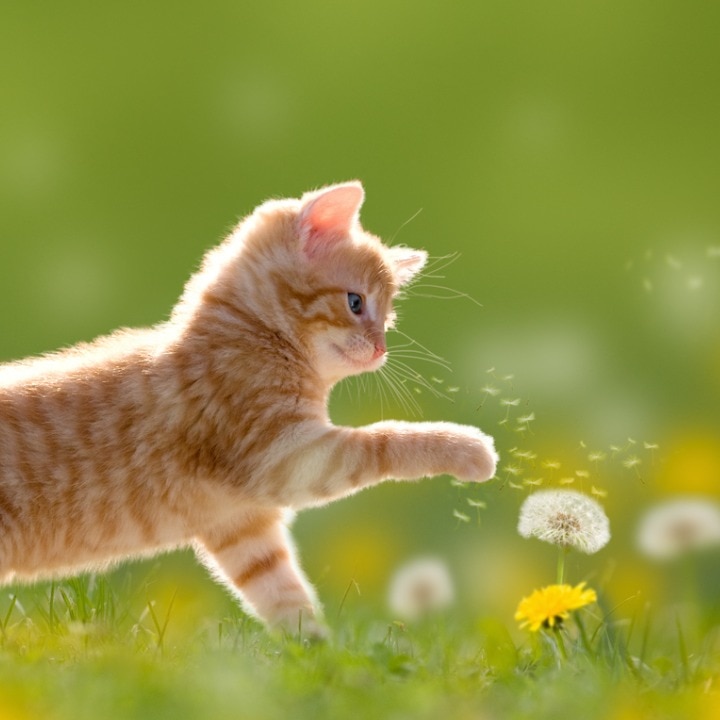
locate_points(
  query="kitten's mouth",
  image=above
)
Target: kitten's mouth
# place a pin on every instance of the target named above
(373, 362)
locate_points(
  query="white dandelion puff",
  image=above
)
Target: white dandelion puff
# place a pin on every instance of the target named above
(679, 526)
(632, 462)
(565, 517)
(419, 588)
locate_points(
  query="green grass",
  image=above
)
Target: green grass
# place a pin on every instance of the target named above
(91, 648)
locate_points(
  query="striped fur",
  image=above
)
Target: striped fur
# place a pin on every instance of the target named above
(211, 428)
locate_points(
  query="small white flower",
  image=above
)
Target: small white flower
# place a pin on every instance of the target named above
(420, 587)
(678, 526)
(565, 517)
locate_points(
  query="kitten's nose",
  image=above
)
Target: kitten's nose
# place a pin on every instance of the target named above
(380, 350)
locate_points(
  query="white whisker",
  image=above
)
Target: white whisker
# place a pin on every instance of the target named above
(407, 222)
(450, 293)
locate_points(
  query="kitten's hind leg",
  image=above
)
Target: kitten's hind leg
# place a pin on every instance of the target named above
(255, 557)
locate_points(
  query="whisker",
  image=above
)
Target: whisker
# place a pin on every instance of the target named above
(412, 341)
(450, 293)
(397, 386)
(407, 222)
(432, 267)
(412, 374)
(407, 355)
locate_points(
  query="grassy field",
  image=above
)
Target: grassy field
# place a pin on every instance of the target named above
(566, 156)
(127, 648)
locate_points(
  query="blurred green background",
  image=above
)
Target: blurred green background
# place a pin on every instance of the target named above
(568, 151)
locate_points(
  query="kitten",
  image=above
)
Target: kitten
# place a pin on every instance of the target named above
(211, 428)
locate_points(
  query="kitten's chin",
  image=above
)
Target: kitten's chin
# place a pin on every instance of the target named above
(348, 365)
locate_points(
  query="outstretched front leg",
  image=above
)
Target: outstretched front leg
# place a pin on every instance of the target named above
(334, 462)
(254, 556)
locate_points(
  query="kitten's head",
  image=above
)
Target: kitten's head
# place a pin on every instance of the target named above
(307, 269)
(352, 278)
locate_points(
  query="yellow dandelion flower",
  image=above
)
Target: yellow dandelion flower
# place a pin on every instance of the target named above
(549, 606)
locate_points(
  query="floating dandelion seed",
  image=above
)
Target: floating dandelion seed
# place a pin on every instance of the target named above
(551, 464)
(597, 456)
(461, 516)
(632, 462)
(421, 587)
(510, 402)
(582, 474)
(567, 480)
(551, 605)
(597, 492)
(679, 526)
(525, 454)
(533, 481)
(525, 419)
(478, 505)
(566, 518)
(513, 470)
(651, 446)
(490, 390)
(515, 486)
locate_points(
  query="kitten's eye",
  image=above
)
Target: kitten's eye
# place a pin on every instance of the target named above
(355, 303)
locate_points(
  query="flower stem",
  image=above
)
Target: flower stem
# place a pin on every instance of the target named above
(562, 553)
(560, 643)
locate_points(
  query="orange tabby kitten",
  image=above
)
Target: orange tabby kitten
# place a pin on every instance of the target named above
(211, 428)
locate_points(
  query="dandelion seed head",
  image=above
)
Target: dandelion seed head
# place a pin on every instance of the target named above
(565, 517)
(419, 588)
(678, 526)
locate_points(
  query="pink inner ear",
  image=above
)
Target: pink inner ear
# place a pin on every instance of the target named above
(330, 215)
(407, 263)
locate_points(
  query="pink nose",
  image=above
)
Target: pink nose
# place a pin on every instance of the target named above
(380, 350)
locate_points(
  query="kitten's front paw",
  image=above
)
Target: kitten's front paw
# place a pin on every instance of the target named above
(474, 458)
(303, 626)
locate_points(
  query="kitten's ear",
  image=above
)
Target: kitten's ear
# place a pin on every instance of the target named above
(407, 263)
(328, 215)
